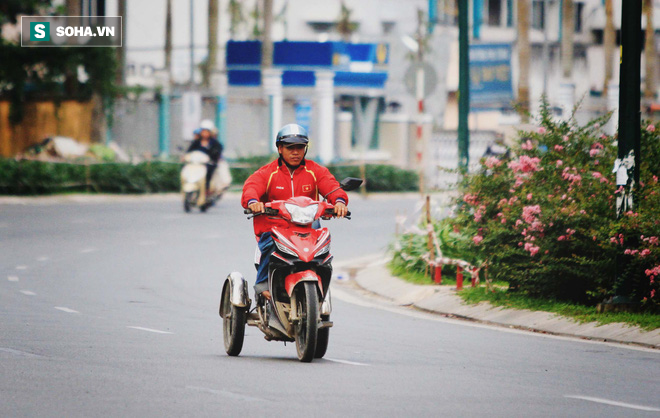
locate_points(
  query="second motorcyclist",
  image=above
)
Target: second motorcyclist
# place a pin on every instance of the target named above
(208, 144)
(289, 176)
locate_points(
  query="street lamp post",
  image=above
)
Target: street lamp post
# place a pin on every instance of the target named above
(219, 84)
(463, 87)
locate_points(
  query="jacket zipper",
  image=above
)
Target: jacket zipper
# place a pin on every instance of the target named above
(293, 194)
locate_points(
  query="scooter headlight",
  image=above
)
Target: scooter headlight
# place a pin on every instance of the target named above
(285, 249)
(302, 215)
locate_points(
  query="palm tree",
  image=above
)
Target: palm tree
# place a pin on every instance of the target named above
(649, 52)
(212, 58)
(568, 32)
(168, 40)
(524, 51)
(267, 40)
(609, 44)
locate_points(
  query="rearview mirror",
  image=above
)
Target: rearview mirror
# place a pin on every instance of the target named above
(350, 183)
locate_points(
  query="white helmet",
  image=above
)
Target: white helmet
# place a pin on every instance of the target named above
(208, 125)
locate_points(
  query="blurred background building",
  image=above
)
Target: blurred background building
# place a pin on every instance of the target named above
(566, 50)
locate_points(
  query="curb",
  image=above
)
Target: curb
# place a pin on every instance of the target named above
(370, 274)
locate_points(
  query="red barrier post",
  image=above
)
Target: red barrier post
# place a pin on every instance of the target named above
(438, 274)
(459, 278)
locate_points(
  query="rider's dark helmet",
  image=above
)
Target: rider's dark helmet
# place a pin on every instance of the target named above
(292, 134)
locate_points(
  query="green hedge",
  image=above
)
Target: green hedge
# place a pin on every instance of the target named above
(26, 177)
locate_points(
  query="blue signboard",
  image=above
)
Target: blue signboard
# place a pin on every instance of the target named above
(490, 76)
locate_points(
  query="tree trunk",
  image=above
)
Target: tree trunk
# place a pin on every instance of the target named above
(524, 51)
(650, 52)
(212, 58)
(71, 74)
(267, 41)
(609, 44)
(168, 40)
(568, 32)
(121, 52)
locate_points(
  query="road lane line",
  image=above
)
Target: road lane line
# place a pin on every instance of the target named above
(12, 278)
(28, 292)
(67, 310)
(351, 363)
(21, 267)
(614, 403)
(226, 393)
(151, 330)
(20, 353)
(44, 258)
(88, 250)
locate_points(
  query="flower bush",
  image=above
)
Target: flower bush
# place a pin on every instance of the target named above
(544, 220)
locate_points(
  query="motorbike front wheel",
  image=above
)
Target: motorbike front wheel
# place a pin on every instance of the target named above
(322, 339)
(306, 330)
(233, 324)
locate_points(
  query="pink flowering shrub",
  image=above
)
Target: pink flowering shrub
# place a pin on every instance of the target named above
(545, 221)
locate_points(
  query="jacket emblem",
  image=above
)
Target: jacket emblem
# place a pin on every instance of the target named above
(307, 188)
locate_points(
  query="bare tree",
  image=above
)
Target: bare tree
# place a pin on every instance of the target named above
(609, 44)
(236, 18)
(212, 58)
(344, 25)
(121, 52)
(568, 32)
(267, 40)
(524, 51)
(168, 40)
(650, 52)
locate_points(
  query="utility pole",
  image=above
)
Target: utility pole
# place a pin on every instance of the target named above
(463, 87)
(419, 96)
(192, 43)
(628, 162)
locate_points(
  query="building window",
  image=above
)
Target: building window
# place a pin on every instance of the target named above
(494, 12)
(388, 27)
(538, 15)
(509, 13)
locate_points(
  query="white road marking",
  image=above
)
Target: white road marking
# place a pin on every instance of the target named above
(89, 250)
(151, 330)
(67, 310)
(351, 363)
(44, 258)
(614, 403)
(28, 292)
(20, 353)
(227, 393)
(21, 267)
(12, 278)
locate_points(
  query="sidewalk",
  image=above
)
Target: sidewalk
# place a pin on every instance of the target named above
(371, 274)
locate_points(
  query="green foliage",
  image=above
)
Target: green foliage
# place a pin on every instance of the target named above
(26, 177)
(545, 219)
(380, 178)
(37, 73)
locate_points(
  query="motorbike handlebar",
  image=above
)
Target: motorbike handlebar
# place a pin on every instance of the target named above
(270, 211)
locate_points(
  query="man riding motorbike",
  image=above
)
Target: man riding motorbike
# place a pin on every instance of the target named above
(289, 176)
(208, 144)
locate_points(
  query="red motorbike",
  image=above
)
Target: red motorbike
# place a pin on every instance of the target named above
(299, 276)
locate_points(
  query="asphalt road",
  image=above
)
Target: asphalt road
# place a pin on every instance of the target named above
(111, 309)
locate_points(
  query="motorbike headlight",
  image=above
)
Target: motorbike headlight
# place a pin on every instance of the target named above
(285, 249)
(323, 250)
(302, 215)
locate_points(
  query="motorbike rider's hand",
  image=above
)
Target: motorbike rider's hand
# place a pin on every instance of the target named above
(340, 209)
(257, 207)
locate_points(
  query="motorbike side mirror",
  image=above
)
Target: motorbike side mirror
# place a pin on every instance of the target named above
(350, 183)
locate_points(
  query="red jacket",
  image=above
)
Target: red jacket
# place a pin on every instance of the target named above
(274, 182)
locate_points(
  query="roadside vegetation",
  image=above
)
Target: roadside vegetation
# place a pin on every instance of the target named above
(543, 221)
(103, 175)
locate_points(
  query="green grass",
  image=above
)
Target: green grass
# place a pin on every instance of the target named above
(500, 297)
(580, 313)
